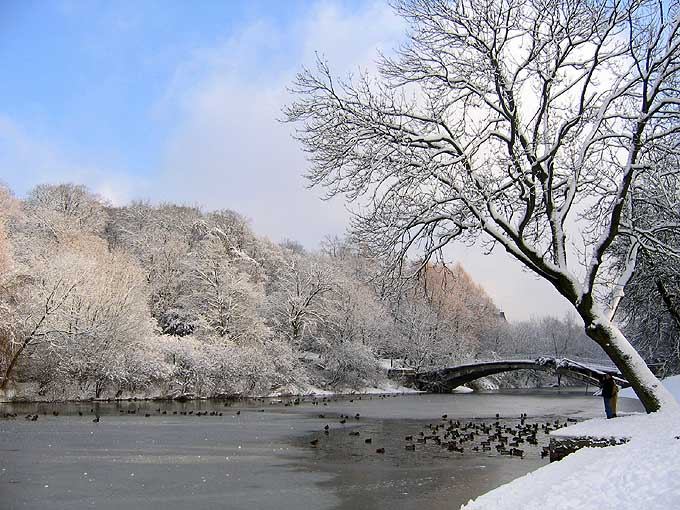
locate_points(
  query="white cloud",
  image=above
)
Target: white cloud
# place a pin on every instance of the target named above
(230, 151)
(351, 41)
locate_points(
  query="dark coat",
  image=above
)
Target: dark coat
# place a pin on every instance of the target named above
(608, 387)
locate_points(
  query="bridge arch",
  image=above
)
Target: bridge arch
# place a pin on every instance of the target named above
(443, 380)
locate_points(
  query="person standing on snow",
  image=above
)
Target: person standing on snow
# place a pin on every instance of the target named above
(609, 393)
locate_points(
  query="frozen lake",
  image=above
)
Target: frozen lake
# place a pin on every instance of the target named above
(259, 455)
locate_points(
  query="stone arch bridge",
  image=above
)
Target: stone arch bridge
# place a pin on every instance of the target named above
(443, 380)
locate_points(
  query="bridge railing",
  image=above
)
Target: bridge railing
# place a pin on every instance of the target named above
(604, 364)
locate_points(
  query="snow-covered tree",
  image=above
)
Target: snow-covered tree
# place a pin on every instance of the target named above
(355, 328)
(548, 336)
(9, 206)
(428, 332)
(469, 313)
(107, 318)
(217, 367)
(57, 210)
(650, 312)
(160, 237)
(77, 312)
(10, 283)
(220, 292)
(299, 301)
(527, 122)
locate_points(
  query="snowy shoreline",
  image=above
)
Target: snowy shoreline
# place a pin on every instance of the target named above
(306, 392)
(642, 473)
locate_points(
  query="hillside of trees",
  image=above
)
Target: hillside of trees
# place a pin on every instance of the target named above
(101, 301)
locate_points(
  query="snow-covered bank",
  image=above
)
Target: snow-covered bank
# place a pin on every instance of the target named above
(639, 474)
(385, 387)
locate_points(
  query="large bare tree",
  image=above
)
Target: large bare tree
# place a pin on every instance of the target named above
(528, 122)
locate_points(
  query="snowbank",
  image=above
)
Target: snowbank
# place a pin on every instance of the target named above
(635, 426)
(639, 474)
(642, 473)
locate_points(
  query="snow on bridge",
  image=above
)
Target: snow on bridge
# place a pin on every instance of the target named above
(445, 379)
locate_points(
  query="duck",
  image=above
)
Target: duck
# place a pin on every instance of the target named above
(380, 450)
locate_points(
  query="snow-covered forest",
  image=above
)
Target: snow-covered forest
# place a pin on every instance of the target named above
(548, 129)
(103, 301)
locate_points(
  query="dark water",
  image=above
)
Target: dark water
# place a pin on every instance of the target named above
(262, 458)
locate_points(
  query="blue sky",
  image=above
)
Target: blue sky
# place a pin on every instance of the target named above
(106, 85)
(92, 75)
(178, 101)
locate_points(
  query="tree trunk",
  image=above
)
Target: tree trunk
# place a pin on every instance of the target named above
(13, 362)
(653, 395)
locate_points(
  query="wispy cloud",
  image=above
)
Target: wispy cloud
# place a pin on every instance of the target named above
(229, 150)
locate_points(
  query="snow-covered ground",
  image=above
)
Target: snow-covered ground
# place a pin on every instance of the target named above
(643, 473)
